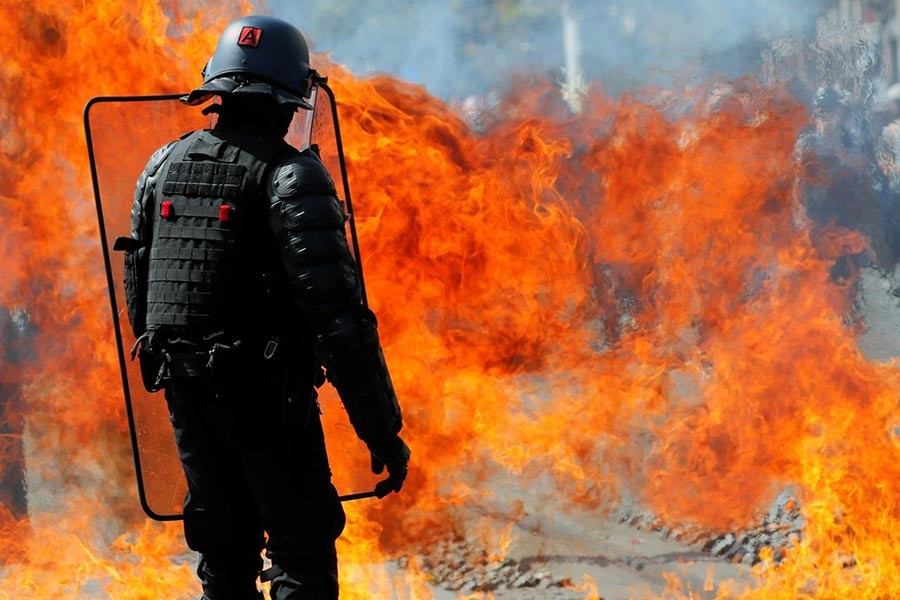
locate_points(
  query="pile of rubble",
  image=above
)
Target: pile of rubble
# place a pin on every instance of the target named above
(454, 565)
(463, 566)
(779, 529)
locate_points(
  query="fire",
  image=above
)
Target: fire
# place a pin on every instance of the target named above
(589, 587)
(615, 302)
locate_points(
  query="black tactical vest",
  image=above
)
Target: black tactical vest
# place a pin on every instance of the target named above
(212, 255)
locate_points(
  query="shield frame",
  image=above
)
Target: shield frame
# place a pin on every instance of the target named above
(111, 287)
(321, 83)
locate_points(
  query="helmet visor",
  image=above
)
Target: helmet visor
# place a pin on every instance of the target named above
(235, 85)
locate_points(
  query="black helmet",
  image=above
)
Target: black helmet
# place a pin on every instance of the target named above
(258, 55)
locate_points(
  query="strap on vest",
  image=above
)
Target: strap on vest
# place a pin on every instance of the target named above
(270, 573)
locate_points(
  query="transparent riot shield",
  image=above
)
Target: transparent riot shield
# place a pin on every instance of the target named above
(326, 141)
(121, 134)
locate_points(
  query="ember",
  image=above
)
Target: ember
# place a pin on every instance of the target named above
(629, 302)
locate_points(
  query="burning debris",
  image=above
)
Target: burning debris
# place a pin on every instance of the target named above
(454, 565)
(778, 531)
(781, 530)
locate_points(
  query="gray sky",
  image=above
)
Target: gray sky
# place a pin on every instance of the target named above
(461, 47)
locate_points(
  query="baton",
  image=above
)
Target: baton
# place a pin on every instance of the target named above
(357, 496)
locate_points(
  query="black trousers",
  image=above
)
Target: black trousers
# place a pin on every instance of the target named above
(258, 476)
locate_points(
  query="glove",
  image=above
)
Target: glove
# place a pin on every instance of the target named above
(394, 456)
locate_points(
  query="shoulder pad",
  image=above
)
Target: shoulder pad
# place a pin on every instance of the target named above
(158, 158)
(302, 175)
(144, 186)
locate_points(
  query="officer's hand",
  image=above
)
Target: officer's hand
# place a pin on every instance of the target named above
(394, 456)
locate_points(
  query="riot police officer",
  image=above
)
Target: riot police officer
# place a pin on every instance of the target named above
(241, 287)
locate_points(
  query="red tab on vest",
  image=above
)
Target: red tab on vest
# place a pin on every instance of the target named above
(167, 211)
(250, 36)
(224, 213)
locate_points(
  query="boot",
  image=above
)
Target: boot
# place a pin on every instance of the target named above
(222, 581)
(319, 585)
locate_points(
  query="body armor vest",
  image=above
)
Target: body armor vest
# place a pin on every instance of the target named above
(211, 252)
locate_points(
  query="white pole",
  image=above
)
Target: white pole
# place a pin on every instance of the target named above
(574, 87)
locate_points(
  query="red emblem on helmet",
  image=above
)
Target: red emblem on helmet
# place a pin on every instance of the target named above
(250, 36)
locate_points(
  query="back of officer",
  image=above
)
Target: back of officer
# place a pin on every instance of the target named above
(241, 286)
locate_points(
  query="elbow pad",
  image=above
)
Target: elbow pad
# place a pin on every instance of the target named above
(309, 223)
(348, 346)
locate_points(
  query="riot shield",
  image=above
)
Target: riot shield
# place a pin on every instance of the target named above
(326, 139)
(121, 133)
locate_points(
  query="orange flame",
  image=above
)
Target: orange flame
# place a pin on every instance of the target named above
(588, 586)
(610, 303)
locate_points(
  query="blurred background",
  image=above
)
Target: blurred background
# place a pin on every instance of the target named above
(463, 48)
